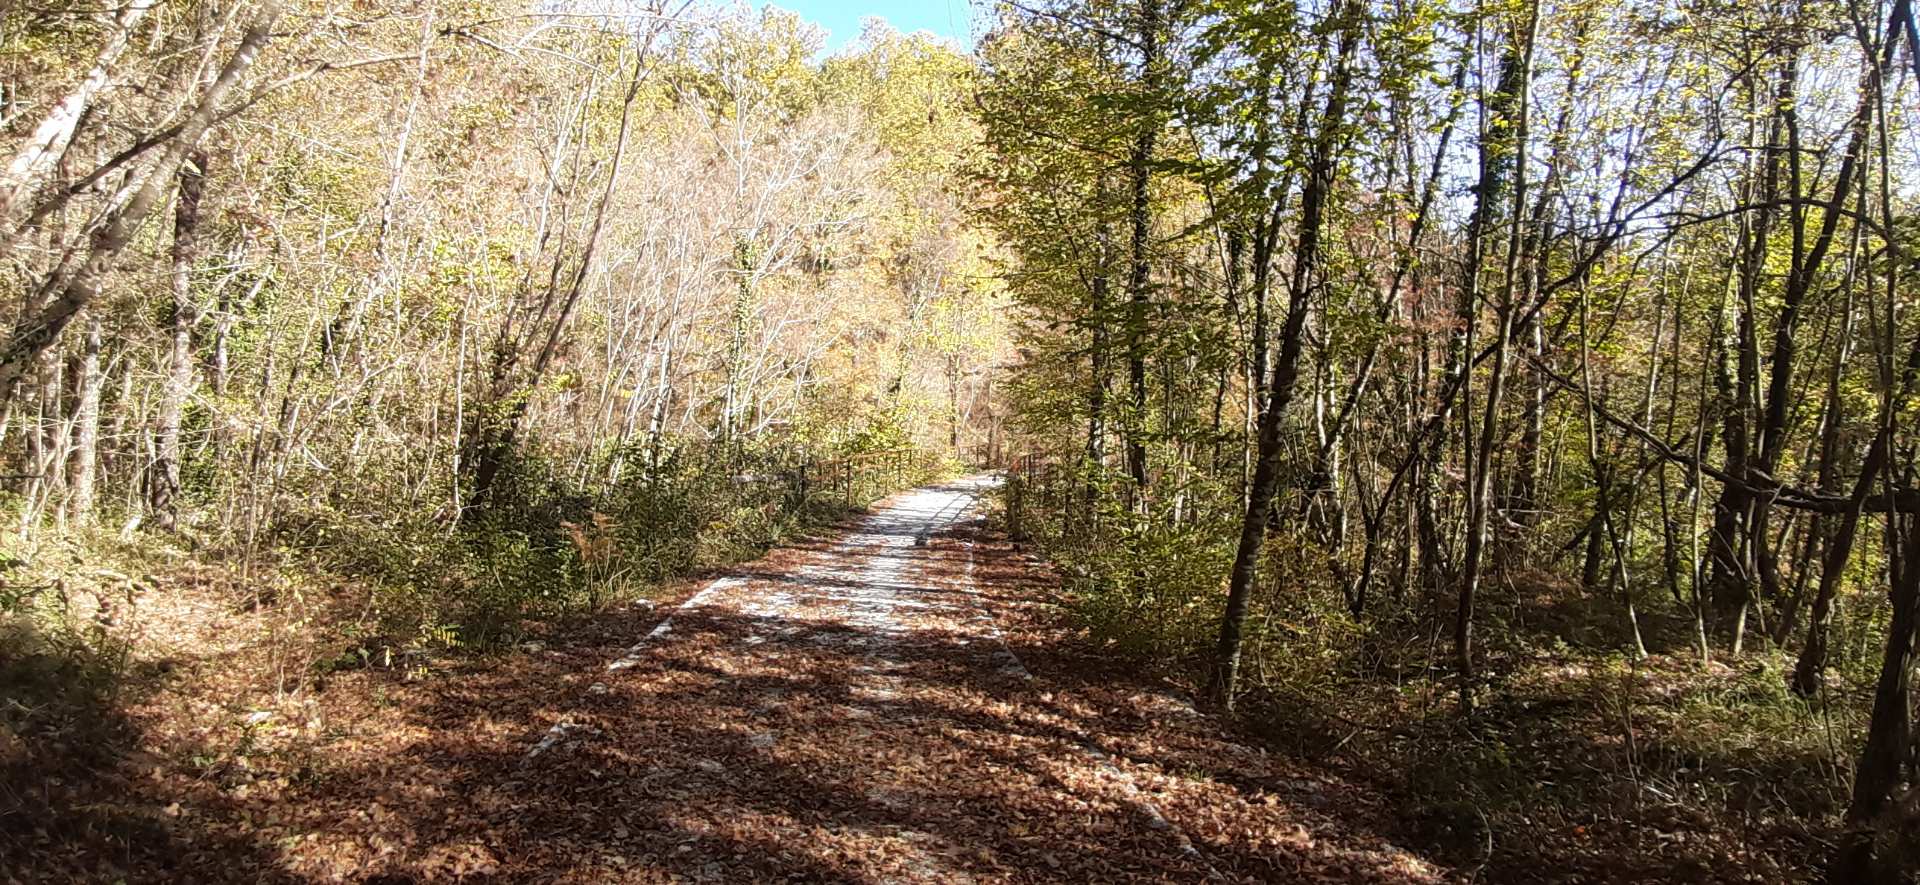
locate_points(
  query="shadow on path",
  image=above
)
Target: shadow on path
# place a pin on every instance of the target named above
(846, 710)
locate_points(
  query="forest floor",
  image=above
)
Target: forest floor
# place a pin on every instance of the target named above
(897, 701)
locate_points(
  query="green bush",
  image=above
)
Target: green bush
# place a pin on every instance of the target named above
(1145, 588)
(544, 546)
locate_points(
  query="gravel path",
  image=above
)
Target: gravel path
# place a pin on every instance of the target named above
(900, 701)
(856, 712)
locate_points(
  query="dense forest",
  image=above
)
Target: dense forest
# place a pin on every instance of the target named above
(416, 291)
(1386, 358)
(1507, 404)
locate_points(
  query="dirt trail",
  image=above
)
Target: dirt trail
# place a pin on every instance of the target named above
(897, 702)
(858, 713)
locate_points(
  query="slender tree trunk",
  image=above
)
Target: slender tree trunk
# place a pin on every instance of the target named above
(1733, 539)
(1811, 664)
(1503, 154)
(496, 427)
(1889, 744)
(1098, 293)
(737, 321)
(163, 478)
(87, 433)
(1140, 219)
(66, 291)
(1807, 262)
(1404, 268)
(40, 152)
(1314, 197)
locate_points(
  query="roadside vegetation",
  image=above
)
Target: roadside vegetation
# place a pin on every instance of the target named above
(1510, 400)
(1507, 403)
(364, 346)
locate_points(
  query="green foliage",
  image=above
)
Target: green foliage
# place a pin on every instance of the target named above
(58, 642)
(698, 507)
(1146, 589)
(70, 622)
(748, 61)
(545, 547)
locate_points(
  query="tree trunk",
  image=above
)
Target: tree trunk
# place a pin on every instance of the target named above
(163, 477)
(86, 414)
(1502, 156)
(1140, 218)
(64, 294)
(496, 424)
(1889, 734)
(41, 151)
(1314, 196)
(1098, 295)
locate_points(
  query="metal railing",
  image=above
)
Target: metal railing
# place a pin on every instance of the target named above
(865, 477)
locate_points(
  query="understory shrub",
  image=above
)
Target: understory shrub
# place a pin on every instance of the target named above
(544, 545)
(1147, 588)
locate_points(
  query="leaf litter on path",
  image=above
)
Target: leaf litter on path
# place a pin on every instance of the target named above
(893, 704)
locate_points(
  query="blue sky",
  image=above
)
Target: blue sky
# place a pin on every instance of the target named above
(842, 18)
